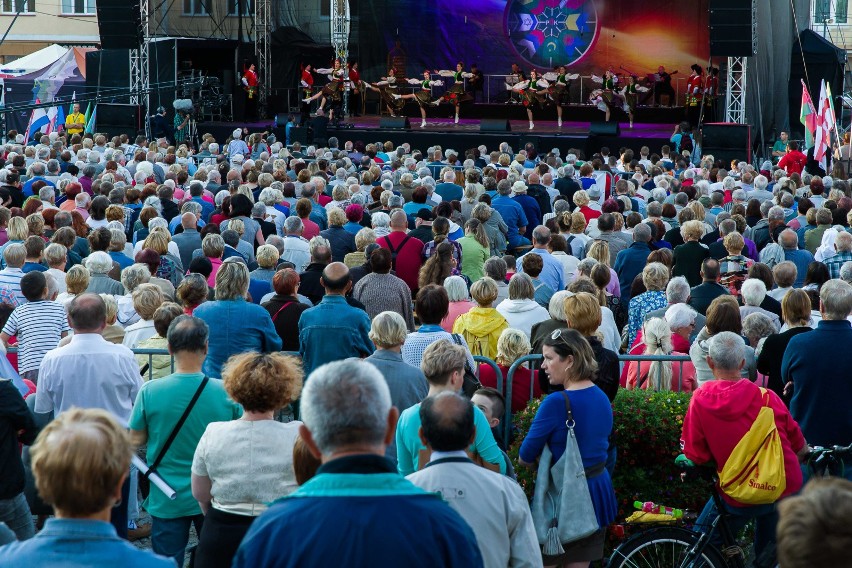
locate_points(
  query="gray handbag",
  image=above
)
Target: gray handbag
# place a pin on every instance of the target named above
(562, 508)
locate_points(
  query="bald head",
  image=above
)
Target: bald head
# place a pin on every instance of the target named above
(188, 221)
(788, 240)
(335, 278)
(399, 220)
(87, 313)
(447, 422)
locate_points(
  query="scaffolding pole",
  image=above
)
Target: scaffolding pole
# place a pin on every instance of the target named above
(735, 97)
(262, 39)
(340, 22)
(140, 93)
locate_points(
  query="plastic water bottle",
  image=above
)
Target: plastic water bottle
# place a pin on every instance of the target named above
(651, 507)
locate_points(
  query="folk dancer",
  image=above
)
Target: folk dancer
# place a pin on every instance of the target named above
(306, 82)
(533, 93)
(476, 83)
(560, 85)
(423, 96)
(456, 94)
(663, 86)
(333, 90)
(249, 82)
(694, 94)
(630, 93)
(605, 98)
(355, 84)
(387, 88)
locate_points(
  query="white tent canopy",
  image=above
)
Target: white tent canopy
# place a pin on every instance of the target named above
(34, 61)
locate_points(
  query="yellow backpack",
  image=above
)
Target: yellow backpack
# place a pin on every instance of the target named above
(754, 472)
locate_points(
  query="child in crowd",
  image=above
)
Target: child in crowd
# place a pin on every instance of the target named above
(510, 266)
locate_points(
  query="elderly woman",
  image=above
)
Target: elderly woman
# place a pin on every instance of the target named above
(753, 292)
(481, 325)
(241, 466)
(689, 256)
(99, 265)
(521, 310)
(285, 309)
(659, 375)
(796, 308)
(722, 315)
(381, 224)
(267, 259)
(236, 326)
(241, 209)
(118, 247)
(192, 292)
(76, 282)
(756, 328)
(460, 302)
(342, 241)
(734, 267)
(170, 267)
(55, 256)
(584, 313)
(146, 299)
(511, 346)
(655, 276)
(364, 237)
(151, 259)
(431, 305)
(158, 366)
(213, 247)
(569, 363)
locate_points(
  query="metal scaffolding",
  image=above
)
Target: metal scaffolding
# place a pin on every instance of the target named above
(735, 96)
(140, 93)
(340, 23)
(262, 39)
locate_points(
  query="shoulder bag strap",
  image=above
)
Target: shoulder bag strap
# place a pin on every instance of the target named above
(569, 421)
(177, 427)
(281, 309)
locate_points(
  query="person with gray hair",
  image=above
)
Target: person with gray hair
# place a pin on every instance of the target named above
(846, 272)
(495, 268)
(843, 254)
(552, 273)
(351, 441)
(630, 261)
(99, 264)
(753, 292)
(677, 294)
(296, 248)
(726, 409)
(815, 368)
(789, 241)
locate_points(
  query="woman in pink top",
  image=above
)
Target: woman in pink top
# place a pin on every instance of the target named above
(213, 247)
(460, 302)
(659, 375)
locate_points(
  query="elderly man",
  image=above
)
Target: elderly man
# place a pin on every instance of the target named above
(296, 249)
(398, 525)
(449, 190)
(553, 273)
(789, 241)
(677, 292)
(630, 261)
(702, 295)
(406, 251)
(494, 506)
(15, 255)
(817, 364)
(606, 225)
(843, 254)
(813, 237)
(90, 372)
(189, 239)
(159, 407)
(512, 213)
(333, 317)
(724, 410)
(311, 279)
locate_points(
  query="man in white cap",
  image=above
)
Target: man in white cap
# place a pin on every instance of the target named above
(236, 145)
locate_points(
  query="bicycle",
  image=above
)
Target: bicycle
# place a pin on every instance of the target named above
(678, 547)
(824, 462)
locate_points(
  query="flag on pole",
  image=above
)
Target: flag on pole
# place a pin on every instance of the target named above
(57, 119)
(807, 116)
(90, 123)
(824, 127)
(88, 112)
(73, 100)
(38, 121)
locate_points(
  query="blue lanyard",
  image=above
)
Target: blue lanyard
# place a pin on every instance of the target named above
(430, 328)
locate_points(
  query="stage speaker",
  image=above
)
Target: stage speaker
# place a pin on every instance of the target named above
(394, 123)
(494, 125)
(119, 24)
(114, 119)
(601, 128)
(732, 28)
(726, 141)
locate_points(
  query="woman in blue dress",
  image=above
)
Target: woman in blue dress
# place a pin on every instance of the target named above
(569, 362)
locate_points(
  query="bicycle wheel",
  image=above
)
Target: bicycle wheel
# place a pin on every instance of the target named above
(664, 548)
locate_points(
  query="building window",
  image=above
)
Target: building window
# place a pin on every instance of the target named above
(841, 8)
(834, 10)
(78, 6)
(194, 8)
(247, 5)
(14, 6)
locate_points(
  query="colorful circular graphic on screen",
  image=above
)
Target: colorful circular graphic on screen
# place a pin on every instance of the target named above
(548, 33)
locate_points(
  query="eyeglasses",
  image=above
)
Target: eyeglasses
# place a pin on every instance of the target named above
(557, 334)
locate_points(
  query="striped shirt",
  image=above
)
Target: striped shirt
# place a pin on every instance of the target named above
(11, 279)
(39, 326)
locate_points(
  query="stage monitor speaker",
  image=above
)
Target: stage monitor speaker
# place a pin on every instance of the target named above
(119, 24)
(732, 28)
(394, 123)
(601, 128)
(494, 125)
(726, 141)
(114, 119)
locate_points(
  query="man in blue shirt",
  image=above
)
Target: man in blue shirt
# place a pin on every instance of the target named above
(196, 190)
(789, 241)
(631, 261)
(552, 273)
(512, 213)
(449, 190)
(333, 330)
(377, 517)
(37, 174)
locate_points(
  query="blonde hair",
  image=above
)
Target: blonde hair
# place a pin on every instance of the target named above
(484, 291)
(600, 252)
(578, 223)
(364, 237)
(261, 382)
(77, 448)
(511, 346)
(146, 299)
(583, 313)
(237, 225)
(111, 307)
(267, 256)
(692, 230)
(213, 246)
(388, 329)
(232, 280)
(158, 241)
(581, 198)
(657, 337)
(336, 217)
(655, 276)
(17, 229)
(734, 243)
(441, 359)
(77, 279)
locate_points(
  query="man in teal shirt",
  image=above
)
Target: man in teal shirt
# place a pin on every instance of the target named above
(443, 364)
(780, 147)
(158, 408)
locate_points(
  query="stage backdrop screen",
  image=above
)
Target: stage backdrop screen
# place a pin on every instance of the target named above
(587, 36)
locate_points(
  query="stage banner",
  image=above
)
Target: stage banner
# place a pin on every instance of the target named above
(586, 36)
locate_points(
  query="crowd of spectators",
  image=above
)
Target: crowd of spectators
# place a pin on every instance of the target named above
(315, 313)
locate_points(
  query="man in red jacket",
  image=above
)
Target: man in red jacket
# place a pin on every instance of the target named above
(720, 413)
(793, 161)
(406, 251)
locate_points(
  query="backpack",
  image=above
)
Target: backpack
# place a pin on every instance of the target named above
(686, 143)
(395, 251)
(754, 472)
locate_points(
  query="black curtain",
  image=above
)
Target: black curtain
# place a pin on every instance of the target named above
(292, 48)
(823, 61)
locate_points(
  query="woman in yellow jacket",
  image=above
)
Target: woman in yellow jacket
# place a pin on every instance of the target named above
(482, 325)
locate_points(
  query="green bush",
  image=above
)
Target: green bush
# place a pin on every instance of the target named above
(647, 429)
